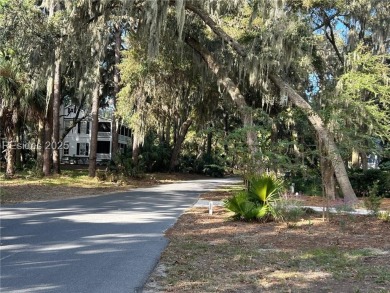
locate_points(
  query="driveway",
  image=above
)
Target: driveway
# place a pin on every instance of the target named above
(104, 244)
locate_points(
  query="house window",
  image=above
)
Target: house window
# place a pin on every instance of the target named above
(67, 124)
(83, 127)
(104, 127)
(66, 148)
(103, 147)
(82, 149)
(122, 147)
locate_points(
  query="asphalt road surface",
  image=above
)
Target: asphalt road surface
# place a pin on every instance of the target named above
(106, 244)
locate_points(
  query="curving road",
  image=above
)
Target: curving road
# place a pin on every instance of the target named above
(106, 243)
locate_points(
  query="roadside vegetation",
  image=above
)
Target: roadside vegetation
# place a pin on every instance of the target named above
(218, 253)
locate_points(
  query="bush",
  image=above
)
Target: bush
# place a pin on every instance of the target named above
(214, 170)
(385, 165)
(258, 201)
(372, 202)
(289, 211)
(384, 216)
(155, 156)
(362, 181)
(211, 166)
(120, 168)
(243, 208)
(33, 168)
(309, 183)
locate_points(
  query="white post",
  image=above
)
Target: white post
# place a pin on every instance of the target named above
(210, 207)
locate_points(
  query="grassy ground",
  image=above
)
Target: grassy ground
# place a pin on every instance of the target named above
(74, 182)
(215, 254)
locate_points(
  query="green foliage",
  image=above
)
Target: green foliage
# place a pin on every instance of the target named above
(372, 202)
(208, 165)
(385, 165)
(289, 211)
(384, 216)
(264, 189)
(243, 207)
(258, 202)
(362, 181)
(155, 155)
(120, 168)
(33, 168)
(214, 170)
(308, 183)
(360, 111)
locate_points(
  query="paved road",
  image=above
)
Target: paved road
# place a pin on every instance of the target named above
(98, 244)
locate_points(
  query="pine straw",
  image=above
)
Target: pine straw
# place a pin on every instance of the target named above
(214, 254)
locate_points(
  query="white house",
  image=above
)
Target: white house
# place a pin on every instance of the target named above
(76, 144)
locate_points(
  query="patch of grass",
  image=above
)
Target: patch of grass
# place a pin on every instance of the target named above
(384, 216)
(241, 264)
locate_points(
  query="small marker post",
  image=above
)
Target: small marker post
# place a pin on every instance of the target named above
(210, 207)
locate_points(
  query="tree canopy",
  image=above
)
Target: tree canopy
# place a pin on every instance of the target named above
(293, 86)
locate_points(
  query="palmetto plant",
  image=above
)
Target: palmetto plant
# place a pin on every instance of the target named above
(265, 190)
(243, 208)
(258, 201)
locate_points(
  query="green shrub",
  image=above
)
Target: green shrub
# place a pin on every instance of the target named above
(385, 165)
(155, 155)
(362, 181)
(243, 208)
(120, 168)
(384, 216)
(289, 211)
(214, 170)
(33, 168)
(308, 183)
(258, 201)
(211, 166)
(372, 202)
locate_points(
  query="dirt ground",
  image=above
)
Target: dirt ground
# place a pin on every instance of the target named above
(212, 253)
(23, 189)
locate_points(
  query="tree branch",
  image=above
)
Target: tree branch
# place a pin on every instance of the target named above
(216, 29)
(331, 37)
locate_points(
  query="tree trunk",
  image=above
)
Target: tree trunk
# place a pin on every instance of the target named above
(48, 131)
(18, 151)
(328, 179)
(168, 132)
(47, 162)
(136, 149)
(114, 124)
(235, 95)
(327, 174)
(209, 145)
(226, 131)
(364, 159)
(11, 151)
(324, 137)
(10, 169)
(209, 142)
(40, 142)
(355, 159)
(179, 141)
(56, 113)
(94, 130)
